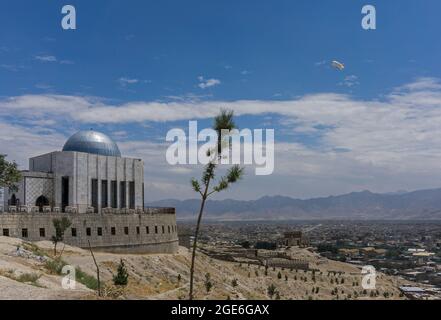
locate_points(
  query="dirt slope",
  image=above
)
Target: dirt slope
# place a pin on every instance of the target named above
(24, 274)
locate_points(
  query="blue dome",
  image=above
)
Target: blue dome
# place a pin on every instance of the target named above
(92, 142)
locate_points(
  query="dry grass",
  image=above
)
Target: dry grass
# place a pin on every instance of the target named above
(27, 278)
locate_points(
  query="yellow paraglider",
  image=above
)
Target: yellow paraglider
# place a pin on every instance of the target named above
(338, 65)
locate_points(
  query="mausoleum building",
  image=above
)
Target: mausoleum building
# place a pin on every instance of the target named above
(90, 182)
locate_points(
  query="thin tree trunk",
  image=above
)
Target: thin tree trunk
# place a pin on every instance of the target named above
(62, 250)
(97, 269)
(195, 240)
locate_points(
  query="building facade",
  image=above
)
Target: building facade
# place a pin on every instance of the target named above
(101, 192)
(88, 175)
(293, 238)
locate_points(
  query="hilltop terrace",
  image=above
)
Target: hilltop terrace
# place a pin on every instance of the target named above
(91, 210)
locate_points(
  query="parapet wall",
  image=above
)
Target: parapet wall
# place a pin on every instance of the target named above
(123, 233)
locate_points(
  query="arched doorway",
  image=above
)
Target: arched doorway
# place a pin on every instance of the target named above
(41, 202)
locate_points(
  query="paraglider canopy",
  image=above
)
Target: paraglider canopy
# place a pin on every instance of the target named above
(338, 65)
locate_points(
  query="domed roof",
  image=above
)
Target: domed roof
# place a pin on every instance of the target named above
(92, 142)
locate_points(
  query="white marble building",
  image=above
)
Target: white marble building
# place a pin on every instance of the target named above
(87, 176)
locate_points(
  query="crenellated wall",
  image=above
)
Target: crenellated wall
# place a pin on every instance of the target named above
(131, 234)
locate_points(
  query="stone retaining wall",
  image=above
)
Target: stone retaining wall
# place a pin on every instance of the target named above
(128, 233)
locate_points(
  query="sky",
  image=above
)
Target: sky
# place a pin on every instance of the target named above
(136, 69)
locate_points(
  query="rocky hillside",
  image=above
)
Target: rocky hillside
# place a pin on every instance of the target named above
(28, 271)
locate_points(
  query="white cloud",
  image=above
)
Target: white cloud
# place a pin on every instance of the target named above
(43, 86)
(51, 58)
(207, 83)
(46, 58)
(21, 142)
(11, 67)
(124, 81)
(425, 83)
(383, 145)
(350, 81)
(67, 62)
(320, 63)
(121, 133)
(42, 122)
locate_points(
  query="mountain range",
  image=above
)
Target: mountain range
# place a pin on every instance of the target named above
(365, 205)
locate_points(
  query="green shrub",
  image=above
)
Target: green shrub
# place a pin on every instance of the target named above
(207, 283)
(271, 290)
(55, 266)
(28, 277)
(122, 276)
(89, 281)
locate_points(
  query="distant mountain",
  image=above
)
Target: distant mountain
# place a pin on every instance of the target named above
(365, 205)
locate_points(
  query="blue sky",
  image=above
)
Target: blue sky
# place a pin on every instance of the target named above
(170, 43)
(136, 69)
